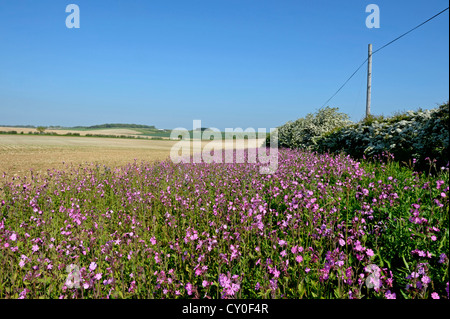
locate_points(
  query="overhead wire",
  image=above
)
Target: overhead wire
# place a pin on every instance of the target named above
(387, 44)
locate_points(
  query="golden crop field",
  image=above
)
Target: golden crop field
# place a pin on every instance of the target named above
(21, 153)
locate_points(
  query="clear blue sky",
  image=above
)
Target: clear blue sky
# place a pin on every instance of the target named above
(229, 63)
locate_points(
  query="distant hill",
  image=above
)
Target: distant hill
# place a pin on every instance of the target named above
(21, 126)
(116, 125)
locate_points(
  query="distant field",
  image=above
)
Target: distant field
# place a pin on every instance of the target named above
(82, 132)
(143, 133)
(20, 153)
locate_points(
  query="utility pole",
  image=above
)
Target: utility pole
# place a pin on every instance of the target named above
(369, 80)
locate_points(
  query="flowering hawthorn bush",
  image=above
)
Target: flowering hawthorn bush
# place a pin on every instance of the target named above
(305, 132)
(412, 136)
(321, 226)
(418, 135)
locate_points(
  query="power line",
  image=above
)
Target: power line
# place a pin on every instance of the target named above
(390, 42)
(345, 82)
(410, 31)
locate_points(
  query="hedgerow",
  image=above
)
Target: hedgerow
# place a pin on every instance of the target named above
(413, 137)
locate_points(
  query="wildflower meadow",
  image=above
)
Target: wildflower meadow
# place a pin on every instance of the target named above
(321, 226)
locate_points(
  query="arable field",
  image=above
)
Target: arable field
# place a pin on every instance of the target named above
(112, 131)
(20, 153)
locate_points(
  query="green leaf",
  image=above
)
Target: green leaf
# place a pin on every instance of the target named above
(301, 289)
(404, 260)
(404, 295)
(381, 259)
(336, 293)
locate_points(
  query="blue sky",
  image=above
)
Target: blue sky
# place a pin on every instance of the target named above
(229, 63)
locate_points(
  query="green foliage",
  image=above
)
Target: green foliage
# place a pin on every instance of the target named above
(369, 120)
(116, 125)
(41, 129)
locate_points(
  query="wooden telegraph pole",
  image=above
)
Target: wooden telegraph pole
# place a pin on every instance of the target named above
(369, 80)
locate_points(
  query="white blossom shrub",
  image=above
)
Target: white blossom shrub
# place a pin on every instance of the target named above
(305, 132)
(412, 135)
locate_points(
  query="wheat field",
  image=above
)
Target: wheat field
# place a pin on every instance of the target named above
(19, 154)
